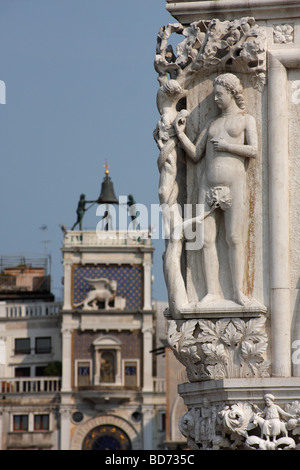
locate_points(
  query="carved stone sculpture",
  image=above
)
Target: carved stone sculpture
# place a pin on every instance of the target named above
(283, 33)
(226, 142)
(216, 350)
(187, 425)
(229, 146)
(273, 422)
(242, 425)
(209, 46)
(167, 99)
(103, 291)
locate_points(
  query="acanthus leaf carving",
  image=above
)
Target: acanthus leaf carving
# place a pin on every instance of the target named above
(225, 348)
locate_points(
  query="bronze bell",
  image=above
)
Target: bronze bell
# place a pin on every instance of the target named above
(107, 195)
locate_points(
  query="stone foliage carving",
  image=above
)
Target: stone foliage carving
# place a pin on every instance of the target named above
(226, 348)
(237, 45)
(283, 34)
(242, 425)
(104, 291)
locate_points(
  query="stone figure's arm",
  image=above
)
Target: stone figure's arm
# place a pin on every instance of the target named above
(283, 413)
(194, 151)
(157, 139)
(165, 151)
(248, 150)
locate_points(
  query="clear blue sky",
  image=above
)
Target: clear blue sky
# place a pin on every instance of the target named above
(80, 89)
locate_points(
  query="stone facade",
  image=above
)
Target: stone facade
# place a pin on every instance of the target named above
(110, 396)
(228, 148)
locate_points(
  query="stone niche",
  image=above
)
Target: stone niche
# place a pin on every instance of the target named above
(228, 141)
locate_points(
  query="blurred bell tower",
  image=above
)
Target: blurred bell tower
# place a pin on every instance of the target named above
(108, 332)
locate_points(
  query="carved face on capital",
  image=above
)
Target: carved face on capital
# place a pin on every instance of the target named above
(223, 97)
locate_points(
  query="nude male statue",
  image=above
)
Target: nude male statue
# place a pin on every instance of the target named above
(167, 99)
(226, 142)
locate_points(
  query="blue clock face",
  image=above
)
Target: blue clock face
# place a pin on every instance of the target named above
(106, 437)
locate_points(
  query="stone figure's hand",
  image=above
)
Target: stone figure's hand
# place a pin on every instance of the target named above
(220, 145)
(179, 124)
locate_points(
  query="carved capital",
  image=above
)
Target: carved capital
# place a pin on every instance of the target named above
(226, 348)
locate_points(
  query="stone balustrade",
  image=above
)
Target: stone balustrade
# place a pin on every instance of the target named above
(26, 310)
(51, 385)
(30, 385)
(159, 385)
(106, 238)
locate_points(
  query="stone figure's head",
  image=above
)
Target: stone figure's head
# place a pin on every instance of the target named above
(269, 398)
(233, 85)
(170, 91)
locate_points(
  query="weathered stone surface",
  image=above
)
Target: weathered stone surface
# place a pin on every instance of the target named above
(232, 264)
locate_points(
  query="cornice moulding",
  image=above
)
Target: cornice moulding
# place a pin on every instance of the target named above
(189, 11)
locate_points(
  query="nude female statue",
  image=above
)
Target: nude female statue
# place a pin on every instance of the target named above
(227, 142)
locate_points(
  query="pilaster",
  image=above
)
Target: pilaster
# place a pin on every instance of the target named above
(67, 359)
